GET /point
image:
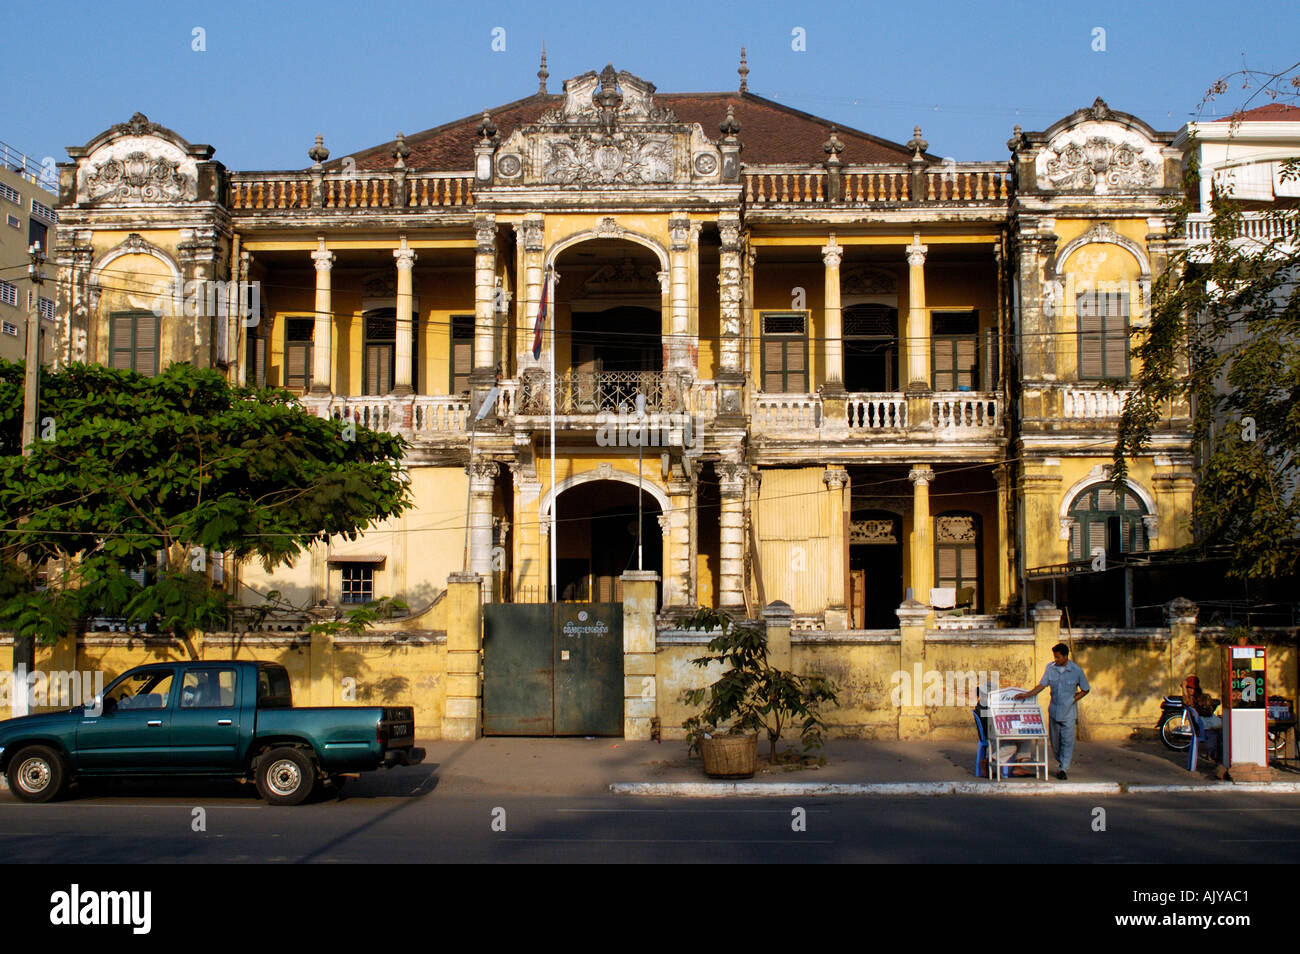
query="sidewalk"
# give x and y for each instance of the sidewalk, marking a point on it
(882, 767)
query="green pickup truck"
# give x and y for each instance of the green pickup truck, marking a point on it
(232, 719)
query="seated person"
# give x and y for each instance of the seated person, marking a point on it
(1203, 703)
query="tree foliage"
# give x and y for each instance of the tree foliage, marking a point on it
(161, 474)
(1225, 334)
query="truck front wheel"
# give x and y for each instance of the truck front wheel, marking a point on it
(36, 774)
(285, 776)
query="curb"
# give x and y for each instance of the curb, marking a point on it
(902, 789)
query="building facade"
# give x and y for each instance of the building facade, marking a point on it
(793, 362)
(27, 201)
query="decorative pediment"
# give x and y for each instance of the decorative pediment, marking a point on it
(614, 95)
(609, 132)
(138, 163)
(1101, 151)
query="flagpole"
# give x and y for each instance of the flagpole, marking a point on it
(555, 497)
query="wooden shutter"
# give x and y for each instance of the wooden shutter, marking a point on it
(146, 344)
(773, 366)
(965, 359)
(1115, 356)
(297, 365)
(969, 567)
(121, 341)
(796, 369)
(944, 369)
(379, 368)
(259, 361)
(948, 566)
(1091, 334)
(1096, 536)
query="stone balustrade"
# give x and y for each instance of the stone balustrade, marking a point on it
(970, 182)
(1082, 403)
(876, 412)
(273, 191)
(963, 410)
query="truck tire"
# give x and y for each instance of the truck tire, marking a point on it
(285, 776)
(36, 774)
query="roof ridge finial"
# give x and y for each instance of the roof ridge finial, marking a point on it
(743, 71)
(543, 74)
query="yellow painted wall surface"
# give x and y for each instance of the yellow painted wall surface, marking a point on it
(423, 546)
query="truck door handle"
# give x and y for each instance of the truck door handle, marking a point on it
(154, 722)
(223, 722)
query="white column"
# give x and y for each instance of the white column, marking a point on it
(482, 483)
(485, 260)
(531, 239)
(679, 228)
(405, 317)
(918, 325)
(321, 364)
(832, 255)
(836, 479)
(922, 538)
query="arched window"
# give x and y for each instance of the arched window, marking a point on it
(1102, 518)
(957, 555)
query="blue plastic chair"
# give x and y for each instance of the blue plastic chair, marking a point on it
(982, 750)
(1199, 738)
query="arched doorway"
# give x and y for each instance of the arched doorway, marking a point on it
(597, 541)
(609, 324)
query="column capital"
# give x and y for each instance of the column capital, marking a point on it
(832, 254)
(665, 283)
(916, 251)
(679, 230)
(835, 478)
(405, 256)
(729, 230)
(485, 234)
(921, 476)
(531, 233)
(323, 257)
(731, 478)
(482, 475)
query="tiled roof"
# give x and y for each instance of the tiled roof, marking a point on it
(1268, 113)
(770, 132)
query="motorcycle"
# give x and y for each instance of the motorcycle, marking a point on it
(1176, 730)
(1175, 725)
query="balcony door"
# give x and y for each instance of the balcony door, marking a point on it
(378, 362)
(870, 333)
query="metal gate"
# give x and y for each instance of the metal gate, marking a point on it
(553, 669)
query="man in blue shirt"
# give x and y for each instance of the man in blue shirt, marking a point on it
(1068, 685)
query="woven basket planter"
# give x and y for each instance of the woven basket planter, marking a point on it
(730, 756)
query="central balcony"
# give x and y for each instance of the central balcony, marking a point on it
(933, 417)
(592, 392)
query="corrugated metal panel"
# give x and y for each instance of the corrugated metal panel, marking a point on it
(793, 505)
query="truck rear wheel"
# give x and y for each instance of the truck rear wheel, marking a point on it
(36, 774)
(285, 776)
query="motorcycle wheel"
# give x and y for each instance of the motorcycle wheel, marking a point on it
(1176, 732)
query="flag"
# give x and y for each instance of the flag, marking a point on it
(541, 322)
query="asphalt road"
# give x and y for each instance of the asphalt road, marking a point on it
(400, 816)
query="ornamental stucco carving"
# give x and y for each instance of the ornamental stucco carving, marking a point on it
(139, 169)
(609, 132)
(1099, 157)
(622, 158)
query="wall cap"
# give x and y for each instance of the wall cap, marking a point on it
(1045, 611)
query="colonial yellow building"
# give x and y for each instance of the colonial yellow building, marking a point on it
(794, 362)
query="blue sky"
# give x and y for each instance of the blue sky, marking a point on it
(274, 74)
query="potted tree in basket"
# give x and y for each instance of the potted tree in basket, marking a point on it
(749, 695)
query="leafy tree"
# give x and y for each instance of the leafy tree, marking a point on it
(751, 694)
(130, 473)
(1225, 333)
